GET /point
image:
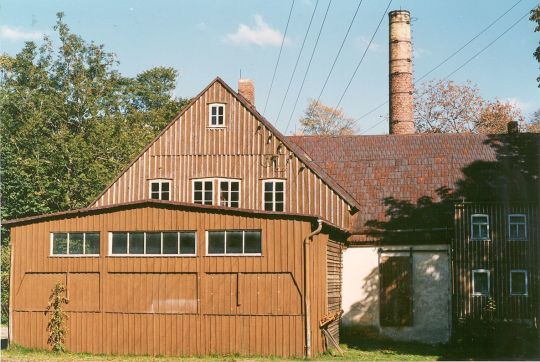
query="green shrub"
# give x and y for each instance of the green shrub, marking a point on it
(56, 326)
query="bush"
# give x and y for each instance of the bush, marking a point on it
(5, 261)
(56, 326)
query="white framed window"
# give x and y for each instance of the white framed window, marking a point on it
(274, 195)
(229, 193)
(158, 243)
(519, 283)
(203, 191)
(479, 227)
(480, 282)
(234, 242)
(160, 189)
(216, 116)
(517, 227)
(75, 244)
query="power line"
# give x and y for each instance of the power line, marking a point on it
(279, 56)
(446, 60)
(309, 65)
(297, 60)
(339, 51)
(469, 42)
(363, 55)
(487, 46)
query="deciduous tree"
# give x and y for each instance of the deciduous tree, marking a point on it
(495, 116)
(320, 119)
(535, 16)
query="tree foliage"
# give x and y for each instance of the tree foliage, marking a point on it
(495, 116)
(535, 16)
(71, 121)
(320, 119)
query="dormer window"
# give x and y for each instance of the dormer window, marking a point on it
(160, 189)
(217, 115)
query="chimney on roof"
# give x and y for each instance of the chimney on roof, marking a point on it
(247, 90)
(512, 127)
(401, 77)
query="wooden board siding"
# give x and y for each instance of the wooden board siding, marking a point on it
(171, 305)
(334, 262)
(189, 149)
(499, 255)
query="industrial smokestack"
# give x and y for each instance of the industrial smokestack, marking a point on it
(401, 78)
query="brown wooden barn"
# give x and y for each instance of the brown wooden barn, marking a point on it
(207, 243)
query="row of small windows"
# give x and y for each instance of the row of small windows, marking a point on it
(517, 227)
(481, 282)
(228, 192)
(166, 243)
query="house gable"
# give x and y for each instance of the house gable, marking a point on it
(246, 148)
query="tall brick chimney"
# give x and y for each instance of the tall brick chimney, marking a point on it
(401, 78)
(247, 90)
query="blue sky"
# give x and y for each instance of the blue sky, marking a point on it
(208, 38)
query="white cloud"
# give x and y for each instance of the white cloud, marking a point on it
(16, 33)
(524, 106)
(260, 34)
(201, 26)
(363, 42)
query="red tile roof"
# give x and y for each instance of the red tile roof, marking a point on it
(406, 167)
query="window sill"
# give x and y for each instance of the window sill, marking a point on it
(75, 256)
(517, 239)
(216, 127)
(234, 255)
(480, 295)
(479, 239)
(152, 255)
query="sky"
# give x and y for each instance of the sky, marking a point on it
(208, 38)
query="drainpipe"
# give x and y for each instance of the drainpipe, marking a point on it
(307, 307)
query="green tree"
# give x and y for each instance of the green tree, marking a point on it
(71, 121)
(535, 16)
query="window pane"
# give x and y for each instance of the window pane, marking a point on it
(483, 231)
(268, 197)
(76, 243)
(518, 283)
(136, 243)
(279, 206)
(155, 195)
(224, 185)
(208, 198)
(479, 219)
(220, 109)
(235, 186)
(279, 196)
(517, 218)
(59, 244)
(187, 243)
(481, 283)
(155, 187)
(119, 243)
(268, 206)
(92, 243)
(216, 242)
(252, 242)
(234, 242)
(197, 185)
(165, 186)
(279, 186)
(214, 111)
(268, 186)
(208, 185)
(153, 243)
(198, 197)
(165, 196)
(170, 243)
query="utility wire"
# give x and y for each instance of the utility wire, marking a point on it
(309, 65)
(363, 56)
(443, 62)
(297, 60)
(487, 46)
(339, 51)
(279, 56)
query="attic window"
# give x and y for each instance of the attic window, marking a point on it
(479, 227)
(274, 192)
(216, 117)
(160, 189)
(517, 227)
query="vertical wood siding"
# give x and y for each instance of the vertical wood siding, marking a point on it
(499, 255)
(334, 262)
(171, 305)
(190, 149)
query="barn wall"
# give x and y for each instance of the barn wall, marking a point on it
(171, 305)
(189, 149)
(431, 292)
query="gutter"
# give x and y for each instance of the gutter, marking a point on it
(307, 305)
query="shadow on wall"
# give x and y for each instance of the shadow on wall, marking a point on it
(366, 311)
(512, 177)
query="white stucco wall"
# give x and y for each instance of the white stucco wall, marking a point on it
(431, 292)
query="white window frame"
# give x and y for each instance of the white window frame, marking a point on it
(486, 223)
(217, 106)
(274, 181)
(160, 182)
(225, 243)
(203, 180)
(517, 223)
(73, 255)
(485, 271)
(229, 180)
(145, 255)
(524, 271)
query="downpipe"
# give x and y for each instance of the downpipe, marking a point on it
(307, 304)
